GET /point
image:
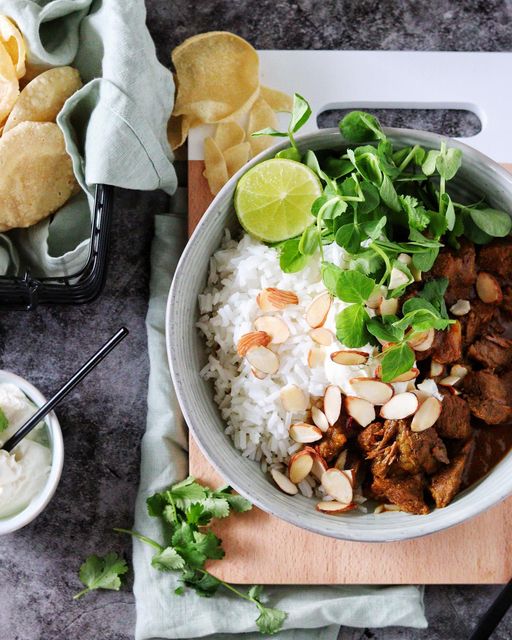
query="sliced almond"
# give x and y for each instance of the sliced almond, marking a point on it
(319, 418)
(361, 410)
(299, 466)
(319, 464)
(427, 414)
(436, 369)
(333, 507)
(258, 374)
(388, 307)
(272, 299)
(459, 371)
(349, 357)
(488, 288)
(276, 328)
(317, 311)
(385, 508)
(427, 342)
(400, 406)
(405, 258)
(375, 299)
(332, 403)
(372, 390)
(341, 460)
(412, 374)
(397, 278)
(449, 381)
(250, 340)
(316, 357)
(283, 482)
(416, 339)
(293, 399)
(337, 484)
(304, 433)
(461, 308)
(322, 336)
(263, 359)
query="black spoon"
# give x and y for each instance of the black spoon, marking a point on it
(494, 614)
(64, 390)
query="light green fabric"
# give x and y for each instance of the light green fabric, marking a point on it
(114, 127)
(314, 612)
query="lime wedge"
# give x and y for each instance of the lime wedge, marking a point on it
(273, 199)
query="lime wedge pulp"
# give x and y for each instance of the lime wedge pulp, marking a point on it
(273, 199)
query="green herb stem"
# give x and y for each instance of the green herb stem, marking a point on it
(81, 593)
(408, 158)
(387, 262)
(139, 536)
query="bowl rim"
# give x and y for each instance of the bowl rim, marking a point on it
(409, 529)
(39, 503)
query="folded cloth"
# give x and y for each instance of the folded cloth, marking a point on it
(313, 612)
(114, 127)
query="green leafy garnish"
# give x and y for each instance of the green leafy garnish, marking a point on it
(101, 573)
(351, 326)
(4, 422)
(186, 510)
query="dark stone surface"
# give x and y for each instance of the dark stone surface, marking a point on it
(104, 419)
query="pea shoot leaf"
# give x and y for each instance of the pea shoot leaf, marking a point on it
(301, 112)
(359, 126)
(351, 326)
(497, 224)
(353, 286)
(396, 360)
(330, 276)
(291, 259)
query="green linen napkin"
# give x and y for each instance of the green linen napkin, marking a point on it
(114, 127)
(313, 612)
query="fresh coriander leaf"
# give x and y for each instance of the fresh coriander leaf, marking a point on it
(385, 332)
(301, 112)
(218, 507)
(396, 360)
(185, 493)
(446, 209)
(102, 573)
(290, 153)
(269, 131)
(351, 326)
(353, 286)
(179, 591)
(497, 224)
(4, 422)
(238, 503)
(270, 621)
(291, 259)
(203, 583)
(417, 216)
(208, 544)
(255, 592)
(429, 164)
(309, 241)
(348, 236)
(330, 275)
(156, 504)
(389, 195)
(359, 126)
(448, 162)
(167, 560)
(198, 515)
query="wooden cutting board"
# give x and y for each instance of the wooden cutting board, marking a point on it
(261, 548)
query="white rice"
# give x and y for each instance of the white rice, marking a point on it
(256, 421)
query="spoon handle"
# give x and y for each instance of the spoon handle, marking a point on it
(75, 379)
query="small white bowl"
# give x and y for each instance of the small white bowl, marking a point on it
(8, 525)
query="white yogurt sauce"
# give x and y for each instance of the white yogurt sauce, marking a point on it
(24, 471)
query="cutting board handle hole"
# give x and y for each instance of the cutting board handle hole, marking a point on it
(456, 123)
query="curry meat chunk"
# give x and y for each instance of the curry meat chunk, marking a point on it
(406, 493)
(446, 483)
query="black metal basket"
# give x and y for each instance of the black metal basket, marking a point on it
(27, 292)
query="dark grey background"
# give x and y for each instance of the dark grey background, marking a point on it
(104, 420)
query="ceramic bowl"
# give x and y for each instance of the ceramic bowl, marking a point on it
(187, 355)
(38, 504)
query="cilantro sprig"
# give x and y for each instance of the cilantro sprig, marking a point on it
(101, 573)
(186, 511)
(4, 422)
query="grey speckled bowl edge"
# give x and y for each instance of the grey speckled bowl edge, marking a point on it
(187, 354)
